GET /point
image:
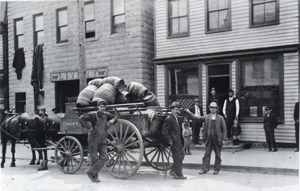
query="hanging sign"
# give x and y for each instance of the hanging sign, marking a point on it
(75, 75)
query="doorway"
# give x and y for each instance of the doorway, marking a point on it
(63, 91)
(219, 78)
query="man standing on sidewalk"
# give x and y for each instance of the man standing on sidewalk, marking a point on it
(214, 136)
(172, 133)
(196, 125)
(296, 118)
(231, 110)
(270, 123)
(97, 123)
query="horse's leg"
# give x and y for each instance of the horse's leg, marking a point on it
(13, 151)
(32, 162)
(40, 157)
(4, 143)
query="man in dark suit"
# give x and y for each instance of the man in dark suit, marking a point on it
(296, 118)
(214, 136)
(196, 109)
(172, 133)
(270, 123)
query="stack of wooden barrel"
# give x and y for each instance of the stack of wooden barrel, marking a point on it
(113, 90)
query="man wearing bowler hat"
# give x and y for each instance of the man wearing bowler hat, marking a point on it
(270, 123)
(214, 136)
(196, 109)
(172, 133)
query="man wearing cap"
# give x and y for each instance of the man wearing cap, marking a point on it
(231, 109)
(196, 125)
(270, 123)
(172, 133)
(213, 97)
(214, 136)
(97, 122)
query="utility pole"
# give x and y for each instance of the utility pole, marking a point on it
(81, 44)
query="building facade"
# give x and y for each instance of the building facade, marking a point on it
(249, 46)
(81, 40)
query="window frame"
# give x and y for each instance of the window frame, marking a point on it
(264, 24)
(281, 85)
(207, 30)
(122, 26)
(185, 34)
(92, 20)
(16, 37)
(35, 33)
(58, 35)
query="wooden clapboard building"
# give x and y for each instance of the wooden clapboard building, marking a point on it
(81, 40)
(250, 46)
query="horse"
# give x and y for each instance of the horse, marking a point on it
(23, 126)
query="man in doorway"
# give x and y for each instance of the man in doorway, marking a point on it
(231, 110)
(296, 118)
(213, 97)
(196, 109)
(214, 135)
(97, 123)
(172, 133)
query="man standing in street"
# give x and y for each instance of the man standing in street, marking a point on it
(270, 124)
(196, 125)
(172, 133)
(231, 110)
(214, 136)
(97, 123)
(296, 118)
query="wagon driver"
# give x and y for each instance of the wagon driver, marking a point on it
(97, 122)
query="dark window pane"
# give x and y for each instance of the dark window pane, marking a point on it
(213, 5)
(39, 23)
(258, 69)
(173, 9)
(183, 25)
(270, 11)
(218, 70)
(258, 13)
(213, 20)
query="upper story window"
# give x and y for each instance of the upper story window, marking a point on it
(62, 25)
(38, 28)
(178, 18)
(118, 16)
(19, 33)
(264, 12)
(218, 15)
(89, 19)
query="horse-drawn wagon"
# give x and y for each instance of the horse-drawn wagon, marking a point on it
(135, 136)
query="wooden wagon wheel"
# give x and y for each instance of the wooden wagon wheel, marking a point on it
(68, 154)
(158, 155)
(125, 149)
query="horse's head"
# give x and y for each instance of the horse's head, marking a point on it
(52, 124)
(30, 122)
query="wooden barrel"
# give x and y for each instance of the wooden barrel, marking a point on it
(98, 82)
(150, 100)
(121, 98)
(106, 92)
(118, 83)
(85, 97)
(137, 90)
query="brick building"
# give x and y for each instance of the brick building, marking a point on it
(249, 46)
(81, 40)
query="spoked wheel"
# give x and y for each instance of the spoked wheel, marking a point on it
(125, 149)
(159, 156)
(68, 155)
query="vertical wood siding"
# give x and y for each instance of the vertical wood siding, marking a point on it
(241, 37)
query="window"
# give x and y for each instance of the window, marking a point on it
(19, 33)
(20, 102)
(89, 19)
(38, 29)
(178, 18)
(218, 15)
(118, 16)
(264, 12)
(261, 86)
(62, 25)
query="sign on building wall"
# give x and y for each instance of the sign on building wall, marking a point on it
(75, 75)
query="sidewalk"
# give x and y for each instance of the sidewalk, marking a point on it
(257, 160)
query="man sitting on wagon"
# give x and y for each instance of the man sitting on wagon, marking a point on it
(97, 122)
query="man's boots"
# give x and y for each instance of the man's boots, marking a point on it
(92, 172)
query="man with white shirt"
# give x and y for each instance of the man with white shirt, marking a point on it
(231, 109)
(196, 125)
(214, 136)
